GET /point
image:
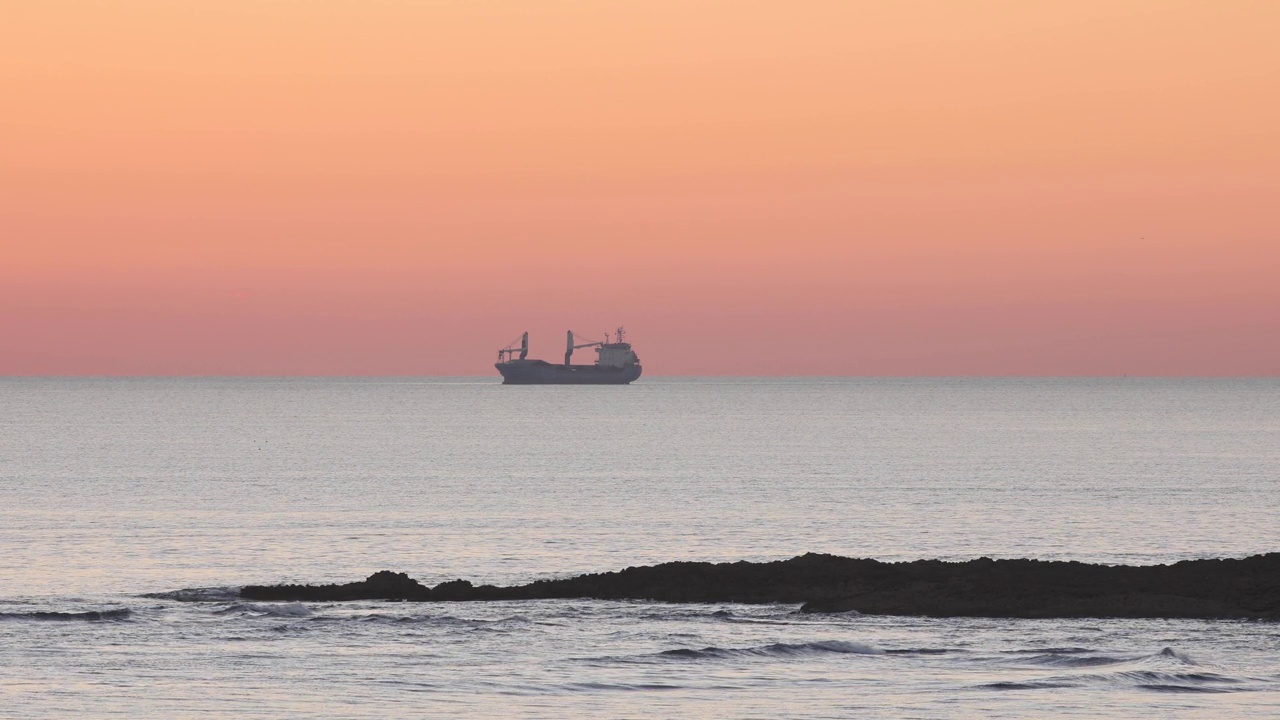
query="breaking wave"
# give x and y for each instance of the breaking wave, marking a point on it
(292, 609)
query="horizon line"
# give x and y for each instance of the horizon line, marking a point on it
(497, 379)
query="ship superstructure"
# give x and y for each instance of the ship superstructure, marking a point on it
(616, 363)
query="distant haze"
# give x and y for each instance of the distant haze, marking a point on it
(834, 187)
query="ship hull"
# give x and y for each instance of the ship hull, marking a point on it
(541, 372)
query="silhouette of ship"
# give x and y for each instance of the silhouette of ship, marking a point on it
(616, 364)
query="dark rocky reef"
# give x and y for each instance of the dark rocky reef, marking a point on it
(1246, 589)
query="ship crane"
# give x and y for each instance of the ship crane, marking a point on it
(570, 347)
(504, 355)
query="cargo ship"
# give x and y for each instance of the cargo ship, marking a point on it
(616, 364)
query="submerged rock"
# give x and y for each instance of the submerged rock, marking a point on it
(1247, 588)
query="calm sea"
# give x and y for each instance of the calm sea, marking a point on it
(112, 489)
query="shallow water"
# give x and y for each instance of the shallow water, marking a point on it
(112, 489)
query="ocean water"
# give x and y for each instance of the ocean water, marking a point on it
(115, 493)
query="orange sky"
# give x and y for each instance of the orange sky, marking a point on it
(367, 187)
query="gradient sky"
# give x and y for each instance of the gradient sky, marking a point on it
(369, 187)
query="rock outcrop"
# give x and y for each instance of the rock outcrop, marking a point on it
(1247, 588)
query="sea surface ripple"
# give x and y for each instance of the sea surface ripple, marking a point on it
(132, 510)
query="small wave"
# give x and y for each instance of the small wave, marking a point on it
(512, 620)
(88, 615)
(444, 620)
(1080, 661)
(292, 609)
(1171, 682)
(839, 647)
(1051, 651)
(1165, 671)
(1172, 654)
(754, 621)
(845, 613)
(1032, 685)
(694, 654)
(1182, 688)
(209, 594)
(1149, 677)
(924, 651)
(1081, 658)
(598, 686)
(1140, 679)
(381, 618)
